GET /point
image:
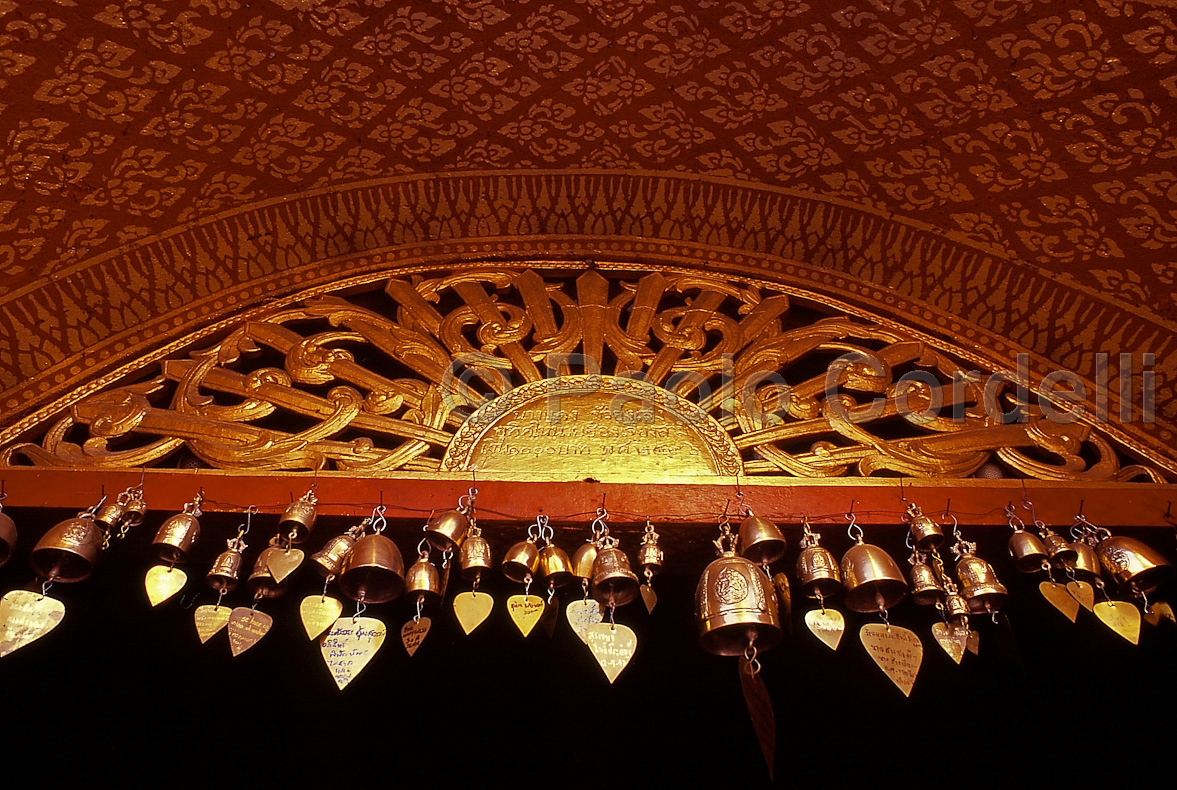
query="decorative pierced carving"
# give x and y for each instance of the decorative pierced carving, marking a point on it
(414, 377)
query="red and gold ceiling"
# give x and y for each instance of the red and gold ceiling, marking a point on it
(997, 174)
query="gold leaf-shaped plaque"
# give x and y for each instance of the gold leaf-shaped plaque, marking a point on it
(612, 645)
(162, 582)
(525, 611)
(472, 608)
(1060, 599)
(26, 617)
(283, 563)
(649, 598)
(827, 625)
(953, 638)
(319, 612)
(246, 628)
(897, 651)
(210, 619)
(1121, 617)
(974, 643)
(413, 633)
(1082, 592)
(582, 614)
(349, 646)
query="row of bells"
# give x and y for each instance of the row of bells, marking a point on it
(1135, 567)
(69, 550)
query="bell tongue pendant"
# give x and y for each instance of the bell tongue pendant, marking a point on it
(897, 651)
(247, 626)
(26, 616)
(612, 645)
(350, 644)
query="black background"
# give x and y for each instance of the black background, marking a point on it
(124, 691)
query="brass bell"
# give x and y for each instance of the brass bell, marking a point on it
(1086, 567)
(926, 534)
(7, 537)
(475, 556)
(1027, 550)
(176, 536)
(329, 559)
(110, 515)
(761, 541)
(926, 587)
(583, 560)
(134, 510)
(222, 577)
(979, 584)
(69, 550)
(1134, 565)
(521, 561)
(374, 572)
(872, 579)
(448, 529)
(735, 605)
(650, 554)
(422, 582)
(299, 518)
(554, 566)
(614, 583)
(1061, 554)
(261, 581)
(817, 569)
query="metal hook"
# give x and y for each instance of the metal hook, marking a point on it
(902, 495)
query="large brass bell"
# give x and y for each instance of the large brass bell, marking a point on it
(475, 557)
(978, 582)
(69, 550)
(614, 582)
(423, 582)
(261, 581)
(735, 604)
(1026, 549)
(926, 587)
(817, 568)
(926, 534)
(761, 541)
(176, 536)
(374, 571)
(222, 577)
(299, 518)
(872, 579)
(7, 536)
(329, 559)
(1135, 566)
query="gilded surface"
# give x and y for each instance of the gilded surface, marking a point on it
(686, 374)
(1001, 167)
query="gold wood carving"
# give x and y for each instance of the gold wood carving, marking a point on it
(504, 370)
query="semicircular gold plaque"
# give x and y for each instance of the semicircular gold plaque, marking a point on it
(592, 424)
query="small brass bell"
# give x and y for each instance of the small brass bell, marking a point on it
(735, 604)
(521, 562)
(299, 518)
(176, 536)
(1027, 550)
(583, 560)
(978, 583)
(329, 559)
(448, 529)
(614, 582)
(134, 509)
(926, 534)
(926, 587)
(955, 607)
(222, 577)
(872, 579)
(7, 537)
(261, 581)
(475, 556)
(1134, 565)
(555, 569)
(761, 541)
(1061, 554)
(817, 568)
(650, 554)
(374, 572)
(1086, 567)
(422, 582)
(69, 550)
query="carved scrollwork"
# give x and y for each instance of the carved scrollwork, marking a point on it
(412, 377)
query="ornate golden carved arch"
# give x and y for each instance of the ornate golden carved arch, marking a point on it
(676, 371)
